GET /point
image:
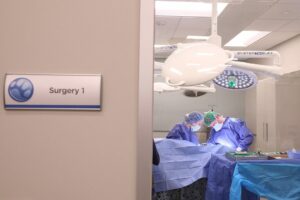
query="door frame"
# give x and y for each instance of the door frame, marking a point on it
(145, 101)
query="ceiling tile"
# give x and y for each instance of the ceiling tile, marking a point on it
(289, 1)
(267, 25)
(165, 28)
(283, 11)
(238, 17)
(272, 40)
(282, 17)
(292, 26)
(193, 26)
(260, 1)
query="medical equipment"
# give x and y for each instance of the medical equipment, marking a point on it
(194, 66)
(236, 79)
(235, 156)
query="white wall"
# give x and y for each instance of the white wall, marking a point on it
(71, 155)
(289, 52)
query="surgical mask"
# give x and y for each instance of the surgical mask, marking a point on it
(218, 126)
(195, 128)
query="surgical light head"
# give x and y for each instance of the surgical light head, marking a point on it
(193, 117)
(195, 63)
(236, 79)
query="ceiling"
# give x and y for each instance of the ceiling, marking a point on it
(282, 17)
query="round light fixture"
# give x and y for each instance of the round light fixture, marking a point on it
(236, 79)
(195, 63)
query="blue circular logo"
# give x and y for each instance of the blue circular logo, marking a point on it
(20, 89)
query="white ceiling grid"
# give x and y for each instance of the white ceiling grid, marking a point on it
(282, 17)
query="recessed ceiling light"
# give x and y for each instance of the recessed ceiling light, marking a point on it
(245, 38)
(186, 9)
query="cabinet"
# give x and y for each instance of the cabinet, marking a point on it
(266, 115)
(288, 113)
(277, 113)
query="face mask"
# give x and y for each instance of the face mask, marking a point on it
(218, 126)
(195, 128)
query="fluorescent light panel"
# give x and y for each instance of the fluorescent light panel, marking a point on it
(186, 9)
(197, 37)
(245, 38)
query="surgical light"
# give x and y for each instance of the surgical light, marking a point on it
(236, 79)
(195, 64)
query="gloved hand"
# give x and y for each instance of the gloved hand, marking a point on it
(239, 149)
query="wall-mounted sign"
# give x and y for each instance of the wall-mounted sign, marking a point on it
(58, 92)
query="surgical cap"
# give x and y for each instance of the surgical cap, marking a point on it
(209, 117)
(193, 117)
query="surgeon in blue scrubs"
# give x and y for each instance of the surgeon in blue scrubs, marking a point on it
(187, 129)
(227, 131)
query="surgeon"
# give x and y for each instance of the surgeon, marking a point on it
(187, 129)
(230, 132)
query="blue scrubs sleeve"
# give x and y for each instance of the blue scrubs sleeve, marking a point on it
(245, 135)
(211, 138)
(181, 132)
(175, 133)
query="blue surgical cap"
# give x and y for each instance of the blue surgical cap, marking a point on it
(193, 117)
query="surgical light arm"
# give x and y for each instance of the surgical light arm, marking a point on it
(163, 87)
(272, 70)
(258, 54)
(200, 88)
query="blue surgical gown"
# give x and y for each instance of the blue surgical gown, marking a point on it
(182, 132)
(233, 134)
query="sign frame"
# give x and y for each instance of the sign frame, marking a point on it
(90, 101)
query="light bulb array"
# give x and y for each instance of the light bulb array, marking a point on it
(236, 79)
